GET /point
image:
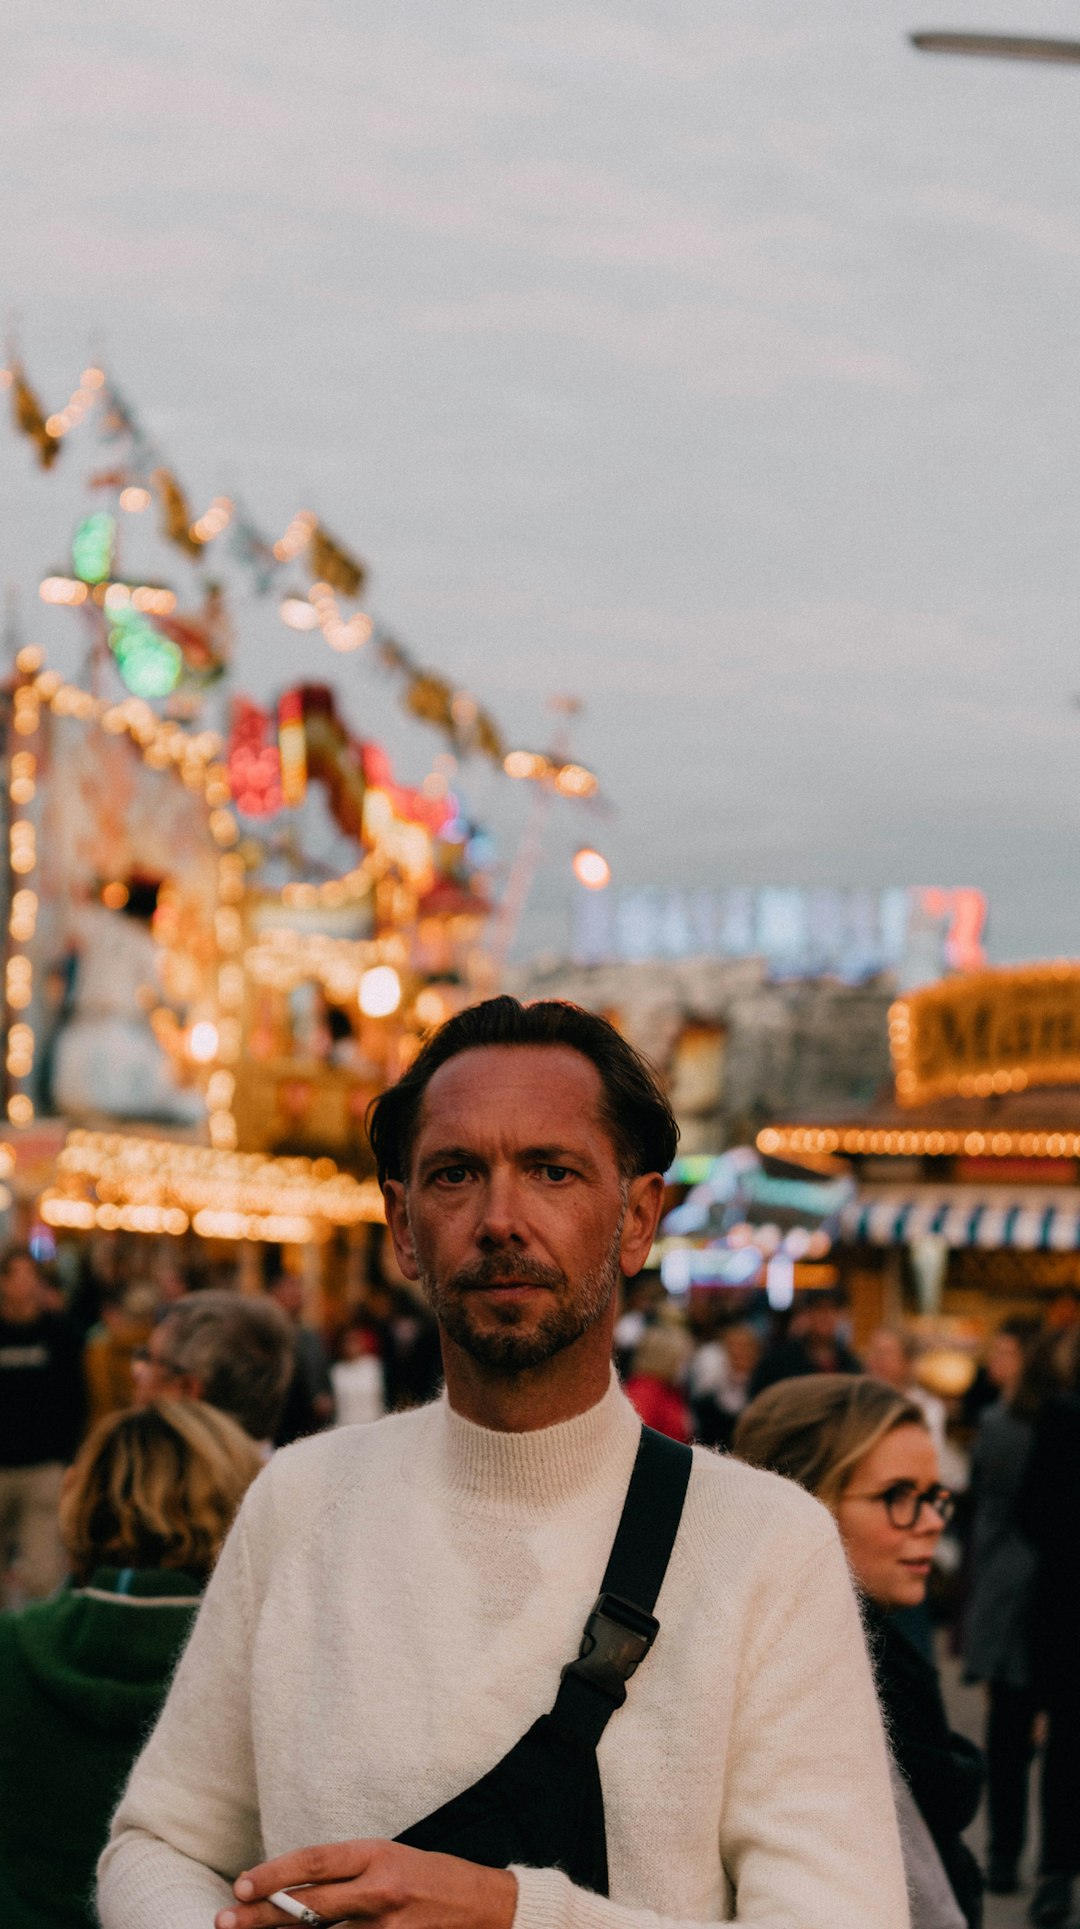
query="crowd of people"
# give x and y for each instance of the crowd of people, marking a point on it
(1007, 1584)
(69, 1359)
(135, 1413)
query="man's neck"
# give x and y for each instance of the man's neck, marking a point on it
(523, 1402)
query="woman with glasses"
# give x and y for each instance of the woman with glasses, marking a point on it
(865, 1451)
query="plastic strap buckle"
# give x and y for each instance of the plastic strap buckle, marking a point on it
(616, 1640)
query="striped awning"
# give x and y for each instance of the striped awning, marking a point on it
(1029, 1219)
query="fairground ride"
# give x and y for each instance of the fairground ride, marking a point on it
(228, 923)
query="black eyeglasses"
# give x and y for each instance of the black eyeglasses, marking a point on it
(903, 1502)
(142, 1356)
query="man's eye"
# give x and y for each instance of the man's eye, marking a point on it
(556, 1173)
(452, 1175)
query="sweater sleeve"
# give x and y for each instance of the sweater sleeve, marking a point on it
(808, 1836)
(187, 1822)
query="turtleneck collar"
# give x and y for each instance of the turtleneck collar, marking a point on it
(542, 1471)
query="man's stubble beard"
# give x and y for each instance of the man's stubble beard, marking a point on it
(506, 1347)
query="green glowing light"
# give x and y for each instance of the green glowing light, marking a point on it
(92, 548)
(150, 664)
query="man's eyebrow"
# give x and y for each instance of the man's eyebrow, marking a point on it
(554, 1154)
(447, 1155)
(549, 1154)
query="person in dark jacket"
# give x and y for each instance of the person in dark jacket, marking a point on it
(943, 1770)
(42, 1415)
(1048, 1512)
(309, 1396)
(813, 1344)
(145, 1510)
(997, 1623)
(409, 1347)
(866, 1452)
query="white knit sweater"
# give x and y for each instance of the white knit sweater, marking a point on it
(392, 1611)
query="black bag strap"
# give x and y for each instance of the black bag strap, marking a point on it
(622, 1626)
(650, 1520)
(543, 1803)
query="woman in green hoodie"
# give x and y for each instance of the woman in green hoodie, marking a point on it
(145, 1510)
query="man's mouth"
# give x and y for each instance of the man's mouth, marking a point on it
(518, 1278)
(508, 1286)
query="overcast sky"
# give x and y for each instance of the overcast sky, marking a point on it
(714, 362)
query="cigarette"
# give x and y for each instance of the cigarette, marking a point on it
(282, 1900)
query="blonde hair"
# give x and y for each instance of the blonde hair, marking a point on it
(663, 1353)
(156, 1486)
(816, 1429)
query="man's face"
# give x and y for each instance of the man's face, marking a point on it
(1005, 1361)
(21, 1294)
(822, 1320)
(885, 1359)
(742, 1348)
(289, 1294)
(154, 1374)
(516, 1219)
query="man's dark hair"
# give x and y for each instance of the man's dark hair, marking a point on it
(239, 1349)
(637, 1115)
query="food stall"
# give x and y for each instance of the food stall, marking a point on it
(968, 1167)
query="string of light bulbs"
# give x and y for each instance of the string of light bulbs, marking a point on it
(336, 571)
(23, 912)
(133, 1184)
(163, 744)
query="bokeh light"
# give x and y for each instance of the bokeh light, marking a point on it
(203, 1042)
(591, 869)
(380, 991)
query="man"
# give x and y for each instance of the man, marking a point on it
(639, 1310)
(1047, 1514)
(890, 1355)
(42, 1412)
(719, 1382)
(998, 1376)
(110, 1347)
(309, 1396)
(230, 1350)
(813, 1345)
(409, 1343)
(396, 1604)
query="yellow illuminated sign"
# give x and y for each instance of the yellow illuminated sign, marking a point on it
(986, 1032)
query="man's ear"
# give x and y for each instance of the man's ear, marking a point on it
(397, 1219)
(644, 1201)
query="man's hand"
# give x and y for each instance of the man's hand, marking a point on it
(382, 1883)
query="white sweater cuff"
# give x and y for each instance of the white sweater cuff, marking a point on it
(546, 1900)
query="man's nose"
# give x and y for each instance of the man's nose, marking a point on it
(502, 1221)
